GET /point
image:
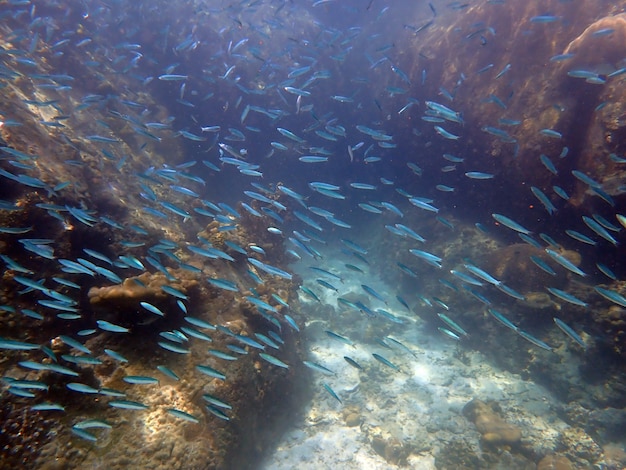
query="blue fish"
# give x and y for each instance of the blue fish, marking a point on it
(570, 332)
(373, 293)
(507, 222)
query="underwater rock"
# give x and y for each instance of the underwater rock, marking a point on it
(459, 454)
(586, 45)
(488, 422)
(392, 450)
(579, 445)
(614, 455)
(554, 462)
(608, 423)
(603, 132)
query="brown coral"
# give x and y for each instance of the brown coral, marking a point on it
(493, 428)
(554, 462)
(146, 287)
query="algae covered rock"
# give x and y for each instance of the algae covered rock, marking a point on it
(554, 462)
(488, 422)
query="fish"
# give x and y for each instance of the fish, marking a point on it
(423, 205)
(128, 405)
(83, 434)
(313, 159)
(394, 342)
(352, 362)
(542, 265)
(466, 278)
(81, 388)
(502, 319)
(173, 347)
(354, 246)
(537, 342)
(386, 362)
(327, 273)
(197, 322)
(270, 269)
(605, 223)
(195, 334)
(267, 341)
(309, 293)
(611, 295)
(326, 284)
(501, 134)
(539, 194)
(551, 133)
(47, 406)
(221, 355)
(74, 344)
(548, 164)
(182, 415)
(216, 401)
(217, 412)
(570, 332)
(428, 257)
(479, 175)
(445, 134)
(292, 323)
(406, 270)
(274, 361)
(152, 309)
(331, 392)
(261, 304)
(452, 324)
(168, 372)
(449, 333)
(111, 327)
(290, 135)
(580, 237)
(598, 229)
(115, 355)
(606, 271)
(172, 77)
(307, 220)
(211, 372)
(337, 336)
(373, 293)
(566, 296)
(445, 222)
(586, 179)
(318, 368)
(140, 380)
(174, 292)
(507, 222)
(567, 264)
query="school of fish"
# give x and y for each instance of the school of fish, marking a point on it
(296, 137)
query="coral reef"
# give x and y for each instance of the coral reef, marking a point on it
(554, 462)
(494, 430)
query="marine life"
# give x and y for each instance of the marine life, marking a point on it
(273, 360)
(569, 332)
(332, 392)
(200, 201)
(385, 361)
